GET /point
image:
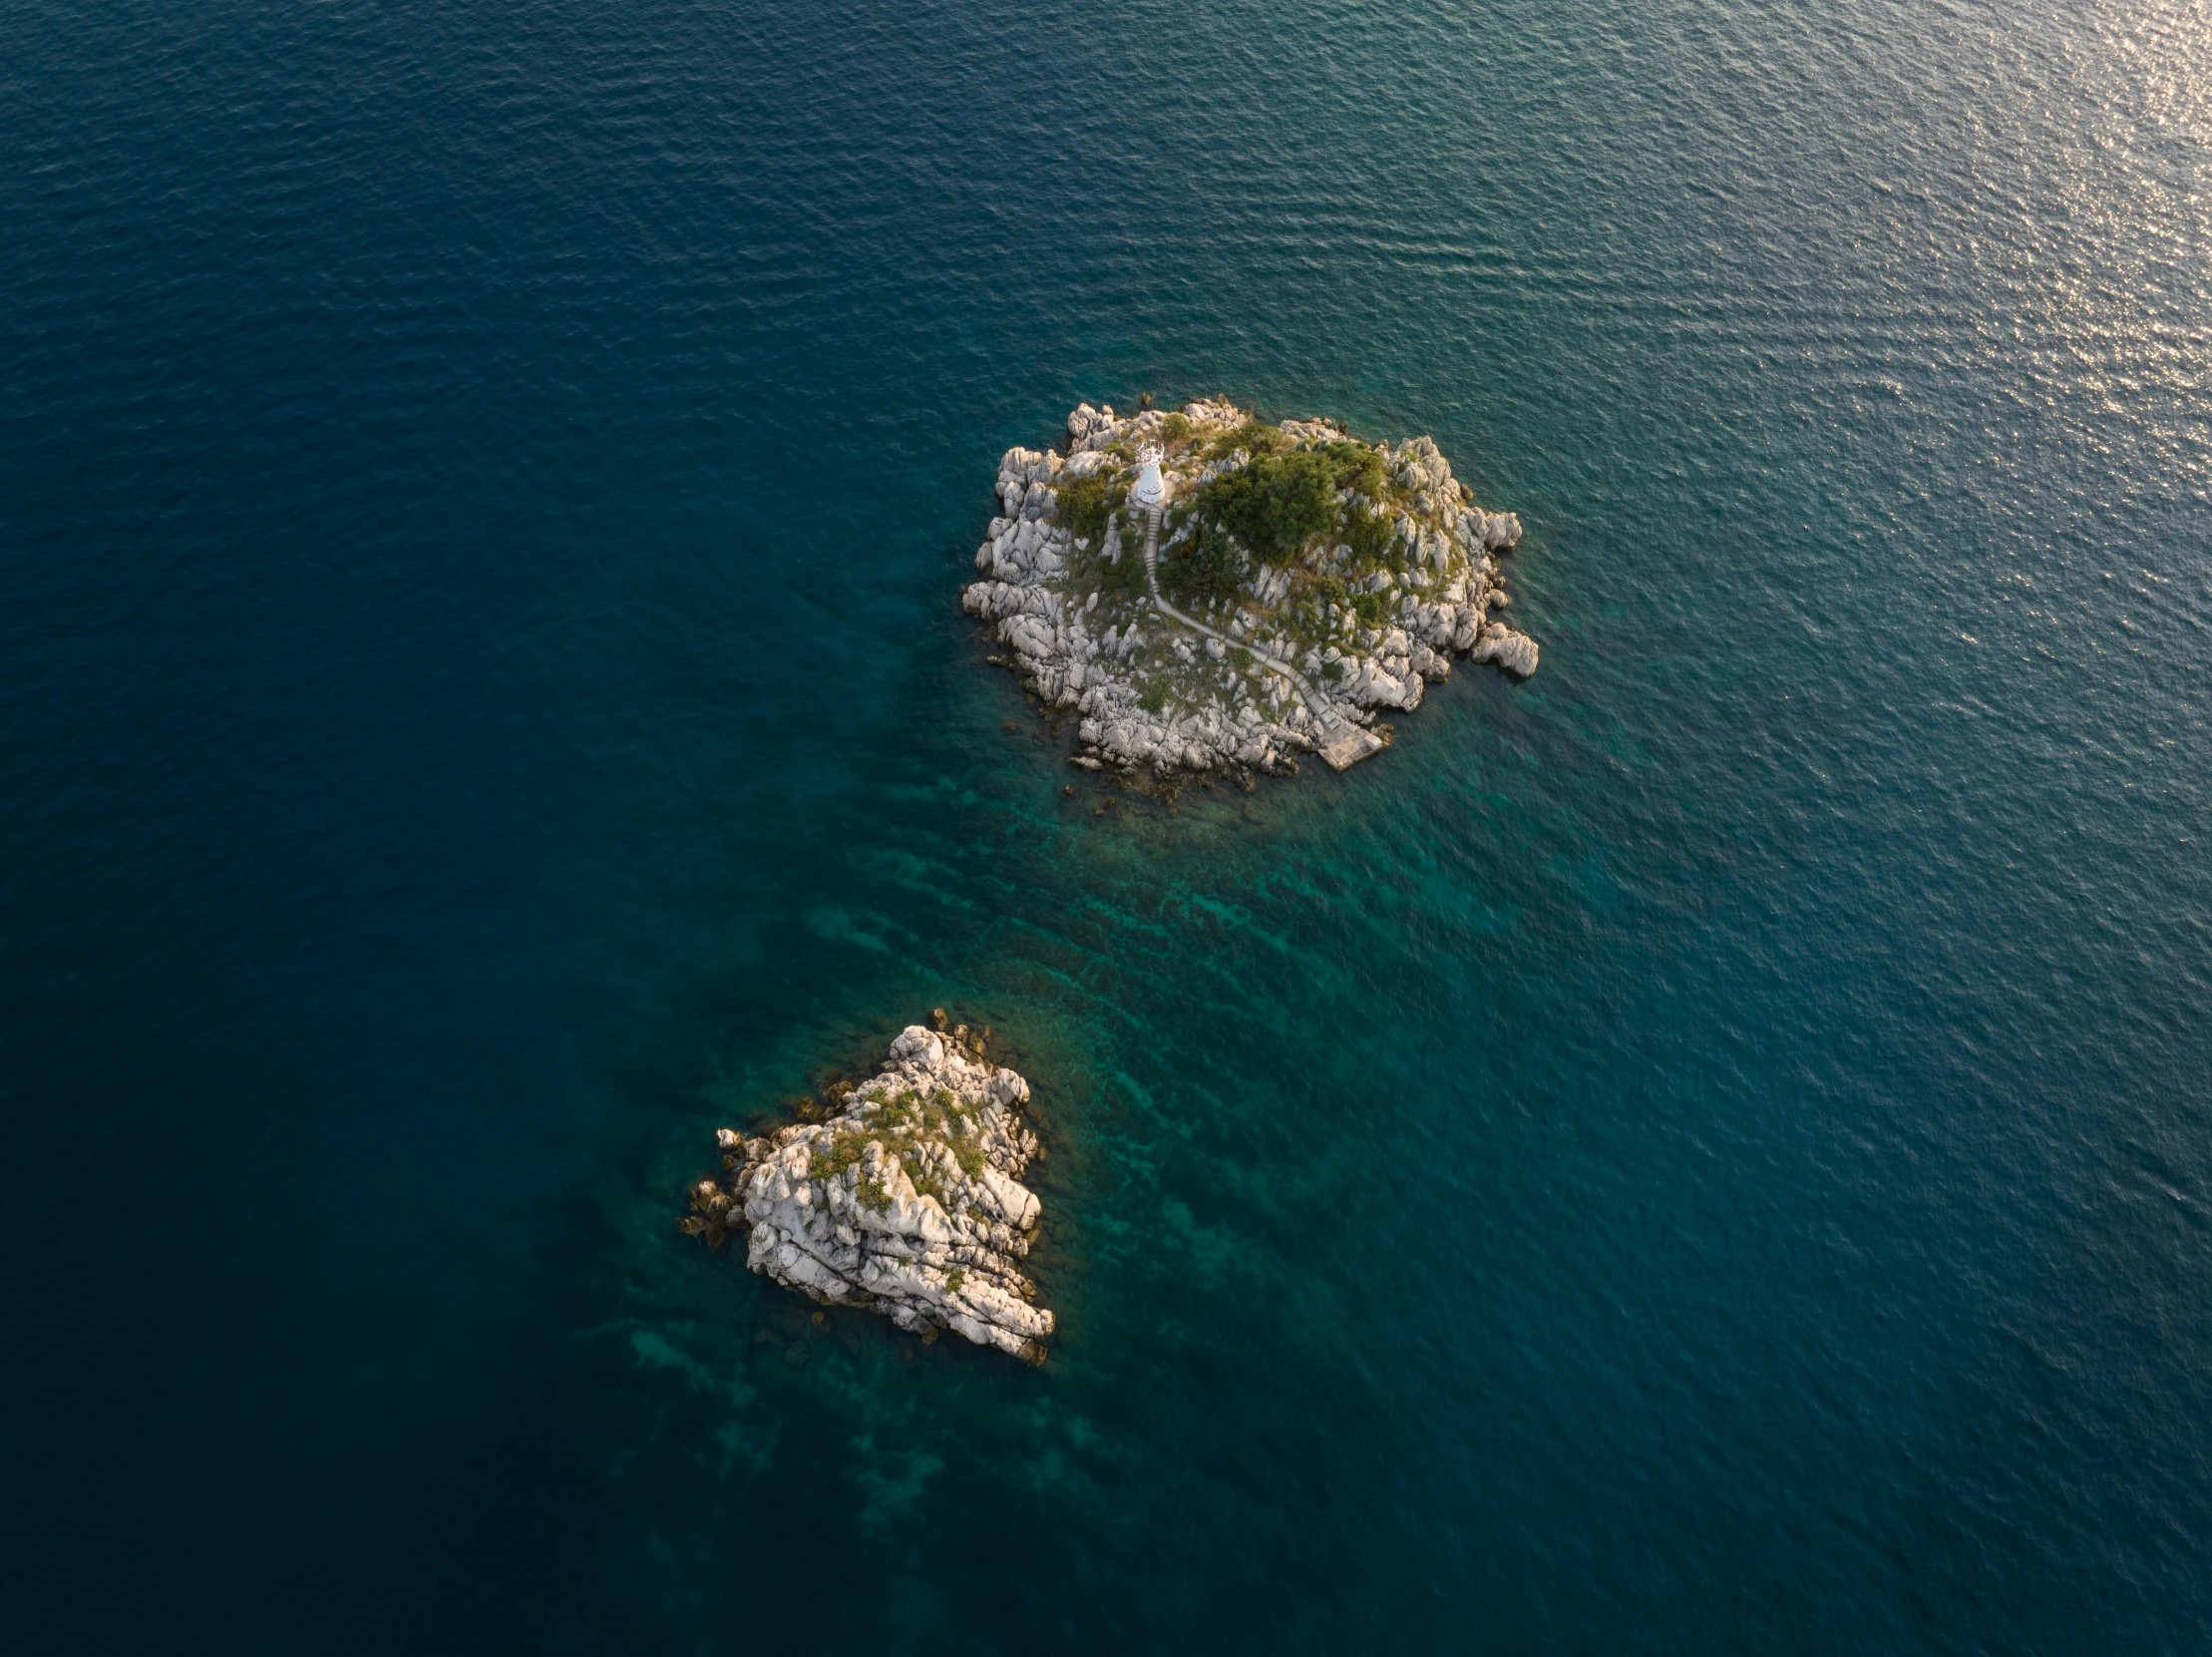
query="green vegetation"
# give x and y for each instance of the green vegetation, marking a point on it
(967, 1151)
(1281, 498)
(1206, 567)
(1086, 504)
(902, 1128)
(1373, 538)
(1122, 578)
(1154, 696)
(1252, 437)
(1241, 657)
(1275, 505)
(1357, 468)
(953, 1279)
(831, 1156)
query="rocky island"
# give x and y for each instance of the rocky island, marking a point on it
(907, 1200)
(1208, 592)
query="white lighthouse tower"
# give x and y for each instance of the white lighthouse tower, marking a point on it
(1151, 489)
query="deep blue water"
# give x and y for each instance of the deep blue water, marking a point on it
(1711, 1150)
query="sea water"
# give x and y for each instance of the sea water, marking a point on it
(1704, 1151)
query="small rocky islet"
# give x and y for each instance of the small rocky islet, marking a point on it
(904, 1199)
(1207, 593)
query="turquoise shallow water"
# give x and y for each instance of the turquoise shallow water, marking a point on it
(1705, 1150)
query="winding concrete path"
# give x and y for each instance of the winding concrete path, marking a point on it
(1343, 745)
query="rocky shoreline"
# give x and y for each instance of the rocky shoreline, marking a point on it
(906, 1200)
(1207, 593)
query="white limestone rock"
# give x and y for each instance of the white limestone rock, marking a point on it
(907, 1201)
(1513, 651)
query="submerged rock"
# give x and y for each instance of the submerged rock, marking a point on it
(907, 1201)
(1289, 583)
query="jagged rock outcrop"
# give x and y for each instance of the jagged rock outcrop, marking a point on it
(1303, 581)
(907, 1201)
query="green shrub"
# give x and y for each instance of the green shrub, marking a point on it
(1154, 696)
(1357, 467)
(1123, 577)
(1275, 504)
(1252, 437)
(1085, 505)
(827, 1159)
(1303, 626)
(1371, 607)
(1240, 656)
(1209, 566)
(1373, 538)
(953, 1279)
